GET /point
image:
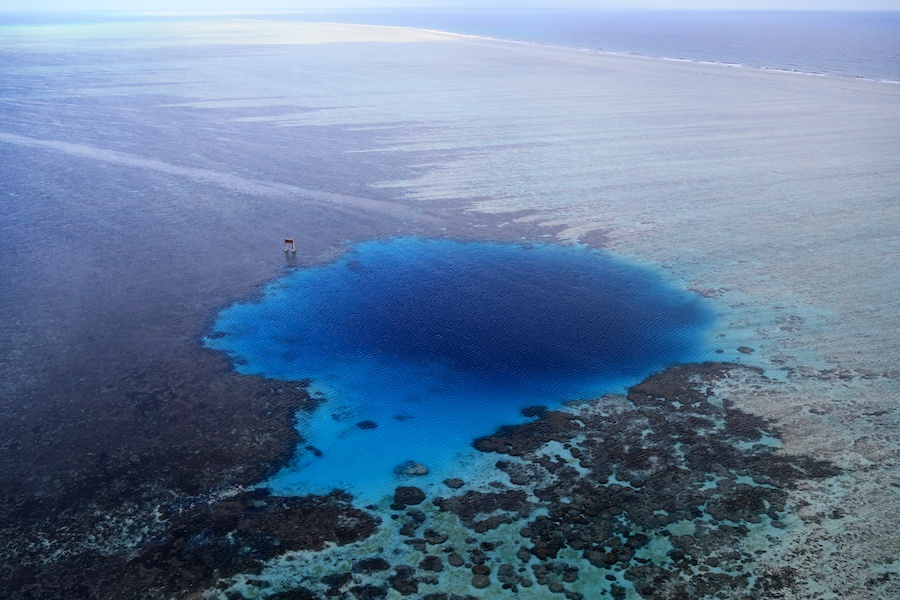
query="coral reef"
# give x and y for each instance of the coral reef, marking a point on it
(665, 492)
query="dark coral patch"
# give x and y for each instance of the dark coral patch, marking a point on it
(407, 495)
(482, 511)
(208, 539)
(518, 440)
(667, 454)
(534, 411)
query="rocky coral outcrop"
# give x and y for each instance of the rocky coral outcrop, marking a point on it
(632, 470)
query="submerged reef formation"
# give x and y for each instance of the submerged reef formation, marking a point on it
(196, 542)
(206, 540)
(657, 489)
(666, 492)
(101, 484)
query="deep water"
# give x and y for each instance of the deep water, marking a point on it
(419, 346)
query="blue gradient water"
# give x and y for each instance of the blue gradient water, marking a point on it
(419, 346)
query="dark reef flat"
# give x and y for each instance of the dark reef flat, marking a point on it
(608, 479)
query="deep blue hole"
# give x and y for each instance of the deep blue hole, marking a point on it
(412, 326)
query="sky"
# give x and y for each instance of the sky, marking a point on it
(298, 5)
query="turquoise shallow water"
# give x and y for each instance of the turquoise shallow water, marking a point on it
(419, 346)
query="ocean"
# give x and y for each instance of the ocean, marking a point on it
(594, 304)
(841, 44)
(827, 43)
